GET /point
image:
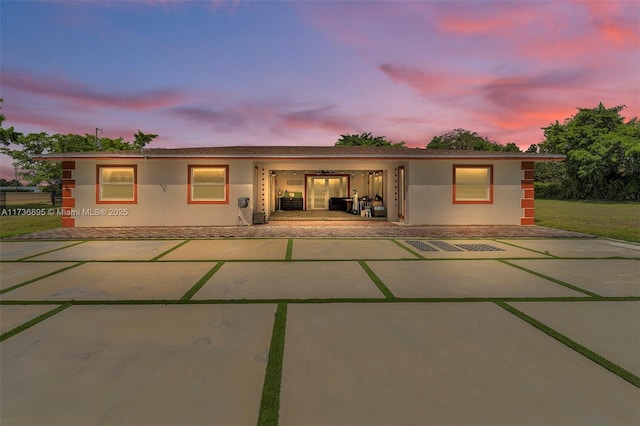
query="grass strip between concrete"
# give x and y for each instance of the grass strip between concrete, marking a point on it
(36, 320)
(170, 250)
(50, 251)
(41, 277)
(545, 253)
(546, 277)
(413, 252)
(289, 253)
(202, 281)
(270, 402)
(377, 281)
(583, 350)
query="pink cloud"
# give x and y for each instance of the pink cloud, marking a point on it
(432, 83)
(316, 119)
(617, 22)
(62, 89)
(278, 116)
(482, 18)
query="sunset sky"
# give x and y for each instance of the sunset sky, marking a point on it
(216, 73)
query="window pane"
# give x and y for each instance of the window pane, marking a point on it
(208, 175)
(117, 175)
(117, 193)
(117, 183)
(472, 176)
(472, 192)
(208, 184)
(208, 192)
(472, 183)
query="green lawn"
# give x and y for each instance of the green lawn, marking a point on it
(613, 220)
(14, 220)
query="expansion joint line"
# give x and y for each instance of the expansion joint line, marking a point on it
(582, 350)
(193, 290)
(289, 253)
(270, 403)
(562, 283)
(36, 320)
(377, 281)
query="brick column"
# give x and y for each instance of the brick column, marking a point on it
(526, 184)
(68, 200)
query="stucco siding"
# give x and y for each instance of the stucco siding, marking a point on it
(161, 195)
(162, 190)
(430, 196)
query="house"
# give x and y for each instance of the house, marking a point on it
(211, 186)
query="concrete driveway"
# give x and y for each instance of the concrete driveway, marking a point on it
(304, 331)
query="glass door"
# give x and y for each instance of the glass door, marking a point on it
(321, 188)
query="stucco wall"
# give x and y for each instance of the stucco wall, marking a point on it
(429, 197)
(162, 192)
(162, 195)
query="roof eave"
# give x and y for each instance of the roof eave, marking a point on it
(318, 156)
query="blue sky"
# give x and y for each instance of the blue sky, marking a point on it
(212, 73)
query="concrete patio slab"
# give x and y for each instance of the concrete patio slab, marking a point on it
(258, 249)
(115, 281)
(12, 316)
(610, 277)
(289, 280)
(15, 250)
(138, 365)
(14, 273)
(583, 247)
(112, 250)
(502, 250)
(441, 363)
(332, 249)
(611, 329)
(464, 278)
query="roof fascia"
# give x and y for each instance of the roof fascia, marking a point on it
(107, 156)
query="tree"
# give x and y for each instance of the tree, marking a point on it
(603, 154)
(533, 149)
(22, 148)
(366, 139)
(466, 140)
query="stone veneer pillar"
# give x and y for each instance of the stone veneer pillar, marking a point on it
(68, 200)
(526, 203)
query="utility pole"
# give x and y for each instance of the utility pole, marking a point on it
(97, 141)
(15, 169)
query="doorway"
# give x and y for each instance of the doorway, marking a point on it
(401, 193)
(320, 188)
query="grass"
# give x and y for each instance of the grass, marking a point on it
(14, 221)
(270, 403)
(613, 220)
(10, 333)
(603, 362)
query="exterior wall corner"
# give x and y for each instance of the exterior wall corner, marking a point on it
(528, 195)
(68, 199)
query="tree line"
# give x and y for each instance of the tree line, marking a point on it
(602, 153)
(23, 148)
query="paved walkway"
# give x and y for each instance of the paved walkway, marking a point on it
(298, 229)
(320, 331)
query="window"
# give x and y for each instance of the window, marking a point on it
(208, 185)
(472, 184)
(116, 184)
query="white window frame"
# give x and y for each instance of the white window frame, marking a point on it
(101, 184)
(487, 185)
(191, 199)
